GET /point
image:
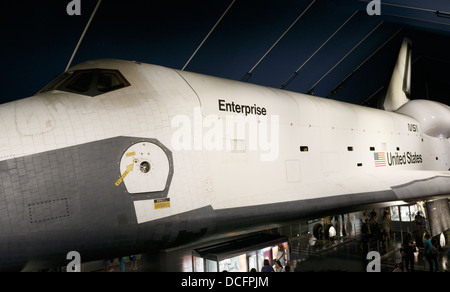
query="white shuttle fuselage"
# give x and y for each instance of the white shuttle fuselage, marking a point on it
(161, 157)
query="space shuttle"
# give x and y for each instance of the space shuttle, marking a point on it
(115, 158)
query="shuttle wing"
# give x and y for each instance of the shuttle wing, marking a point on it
(351, 190)
(336, 195)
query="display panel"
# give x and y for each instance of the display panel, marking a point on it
(395, 216)
(252, 262)
(211, 266)
(413, 210)
(265, 253)
(405, 214)
(198, 264)
(234, 264)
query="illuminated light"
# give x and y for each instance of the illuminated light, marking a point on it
(332, 232)
(442, 240)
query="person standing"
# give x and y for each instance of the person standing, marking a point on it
(133, 259)
(267, 267)
(409, 247)
(122, 263)
(278, 266)
(434, 254)
(427, 250)
(387, 224)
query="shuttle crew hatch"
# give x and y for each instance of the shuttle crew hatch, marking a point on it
(145, 168)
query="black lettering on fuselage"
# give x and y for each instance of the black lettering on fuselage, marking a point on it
(413, 128)
(241, 109)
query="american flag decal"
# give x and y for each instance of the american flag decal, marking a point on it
(380, 159)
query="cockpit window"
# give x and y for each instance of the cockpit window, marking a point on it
(80, 82)
(109, 81)
(91, 82)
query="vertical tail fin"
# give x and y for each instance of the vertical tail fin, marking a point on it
(400, 85)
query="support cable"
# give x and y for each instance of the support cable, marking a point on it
(286, 83)
(409, 7)
(417, 19)
(249, 73)
(346, 55)
(83, 34)
(210, 32)
(362, 64)
(371, 96)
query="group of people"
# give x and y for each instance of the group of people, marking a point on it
(278, 267)
(431, 250)
(280, 259)
(108, 264)
(373, 231)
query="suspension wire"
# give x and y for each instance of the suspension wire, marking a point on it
(408, 7)
(346, 55)
(415, 18)
(249, 73)
(372, 95)
(286, 83)
(332, 92)
(83, 34)
(210, 32)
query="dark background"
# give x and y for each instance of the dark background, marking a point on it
(38, 38)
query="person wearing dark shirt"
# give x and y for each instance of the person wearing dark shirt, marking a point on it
(409, 247)
(267, 267)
